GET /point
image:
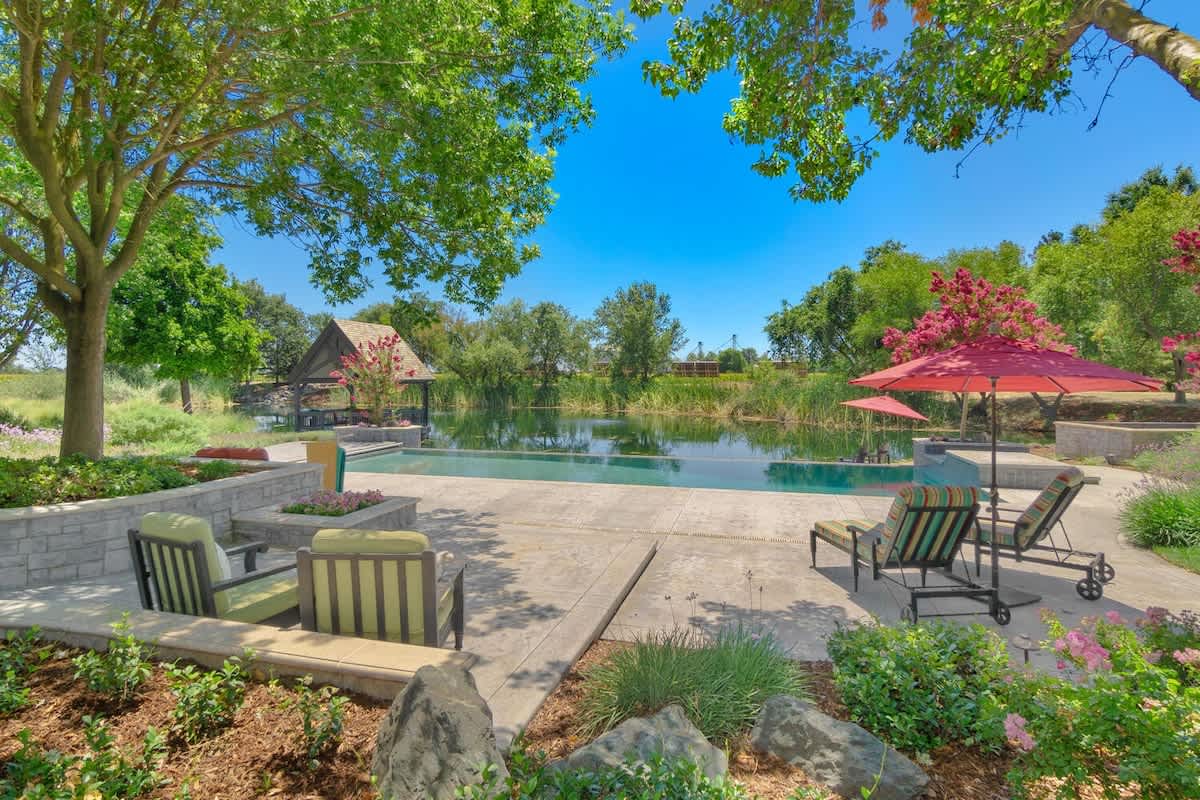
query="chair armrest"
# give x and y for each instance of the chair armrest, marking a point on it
(1091, 480)
(251, 551)
(250, 577)
(446, 581)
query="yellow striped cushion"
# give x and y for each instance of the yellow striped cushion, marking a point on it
(837, 533)
(914, 531)
(1033, 518)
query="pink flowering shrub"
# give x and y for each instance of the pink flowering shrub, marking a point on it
(967, 308)
(375, 376)
(1188, 263)
(334, 504)
(1121, 717)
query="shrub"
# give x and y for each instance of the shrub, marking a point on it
(206, 701)
(322, 717)
(14, 420)
(657, 780)
(25, 482)
(215, 470)
(1163, 515)
(14, 694)
(19, 657)
(1124, 723)
(1178, 460)
(720, 682)
(922, 686)
(334, 504)
(104, 773)
(118, 671)
(142, 423)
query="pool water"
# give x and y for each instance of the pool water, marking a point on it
(691, 472)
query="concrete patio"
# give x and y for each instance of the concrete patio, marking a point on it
(551, 566)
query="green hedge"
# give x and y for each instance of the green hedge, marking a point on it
(30, 482)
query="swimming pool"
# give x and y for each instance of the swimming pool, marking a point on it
(696, 473)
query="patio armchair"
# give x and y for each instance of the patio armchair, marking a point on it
(924, 530)
(379, 585)
(1023, 535)
(180, 569)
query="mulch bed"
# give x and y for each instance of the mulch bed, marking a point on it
(956, 772)
(258, 756)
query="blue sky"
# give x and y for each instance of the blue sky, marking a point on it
(656, 191)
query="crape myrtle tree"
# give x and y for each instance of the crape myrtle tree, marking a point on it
(415, 133)
(966, 72)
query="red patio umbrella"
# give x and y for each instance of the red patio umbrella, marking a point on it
(882, 404)
(994, 364)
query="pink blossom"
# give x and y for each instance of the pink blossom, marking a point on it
(1156, 614)
(1154, 657)
(1189, 656)
(1060, 664)
(1014, 729)
(1113, 617)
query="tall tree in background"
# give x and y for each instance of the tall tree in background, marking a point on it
(427, 325)
(817, 329)
(420, 132)
(968, 72)
(557, 342)
(1125, 199)
(177, 312)
(635, 326)
(286, 331)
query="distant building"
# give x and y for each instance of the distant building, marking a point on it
(696, 369)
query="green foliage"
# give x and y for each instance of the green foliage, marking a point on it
(1161, 514)
(322, 717)
(817, 329)
(26, 482)
(284, 330)
(143, 423)
(919, 687)
(490, 364)
(215, 470)
(103, 773)
(731, 360)
(656, 780)
(177, 311)
(118, 671)
(21, 653)
(14, 419)
(557, 342)
(720, 682)
(14, 694)
(1176, 461)
(1126, 726)
(637, 332)
(206, 700)
(1186, 557)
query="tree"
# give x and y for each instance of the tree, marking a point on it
(425, 324)
(419, 133)
(177, 312)
(286, 332)
(557, 342)
(968, 72)
(636, 327)
(490, 363)
(1128, 196)
(375, 376)
(1185, 347)
(817, 330)
(731, 360)
(21, 315)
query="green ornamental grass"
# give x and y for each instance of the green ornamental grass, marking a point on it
(720, 682)
(1163, 515)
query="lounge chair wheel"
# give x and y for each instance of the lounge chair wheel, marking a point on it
(1090, 589)
(1108, 573)
(906, 614)
(1003, 614)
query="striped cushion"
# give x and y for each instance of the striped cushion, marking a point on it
(837, 533)
(913, 533)
(1034, 520)
(1004, 533)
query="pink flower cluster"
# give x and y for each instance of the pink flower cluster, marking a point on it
(1014, 729)
(42, 435)
(334, 504)
(375, 375)
(1083, 649)
(1188, 657)
(1187, 262)
(967, 309)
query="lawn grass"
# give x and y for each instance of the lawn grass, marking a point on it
(1186, 557)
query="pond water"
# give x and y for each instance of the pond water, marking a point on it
(552, 431)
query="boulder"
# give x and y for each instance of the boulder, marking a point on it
(669, 734)
(436, 737)
(843, 756)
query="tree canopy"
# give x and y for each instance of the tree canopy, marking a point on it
(420, 134)
(286, 331)
(820, 90)
(637, 331)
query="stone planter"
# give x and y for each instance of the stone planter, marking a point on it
(1120, 439)
(405, 436)
(293, 531)
(64, 542)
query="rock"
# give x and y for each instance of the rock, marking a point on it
(436, 737)
(668, 733)
(841, 755)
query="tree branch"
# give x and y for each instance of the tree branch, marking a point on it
(1175, 52)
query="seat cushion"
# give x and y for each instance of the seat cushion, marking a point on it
(261, 599)
(837, 533)
(185, 529)
(1004, 533)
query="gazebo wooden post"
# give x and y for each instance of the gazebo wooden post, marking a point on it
(425, 404)
(297, 397)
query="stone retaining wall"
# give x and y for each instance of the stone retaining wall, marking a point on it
(293, 531)
(43, 544)
(1120, 439)
(408, 436)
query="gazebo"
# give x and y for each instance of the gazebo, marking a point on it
(343, 337)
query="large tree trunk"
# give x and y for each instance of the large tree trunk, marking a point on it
(1174, 51)
(83, 405)
(185, 395)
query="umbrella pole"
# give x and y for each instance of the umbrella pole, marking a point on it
(992, 501)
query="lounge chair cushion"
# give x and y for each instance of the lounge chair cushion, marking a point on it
(354, 541)
(930, 536)
(1004, 533)
(837, 533)
(1031, 522)
(185, 529)
(261, 599)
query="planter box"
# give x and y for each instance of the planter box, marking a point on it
(293, 531)
(406, 436)
(64, 542)
(1121, 439)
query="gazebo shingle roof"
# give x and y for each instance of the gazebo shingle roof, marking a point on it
(343, 337)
